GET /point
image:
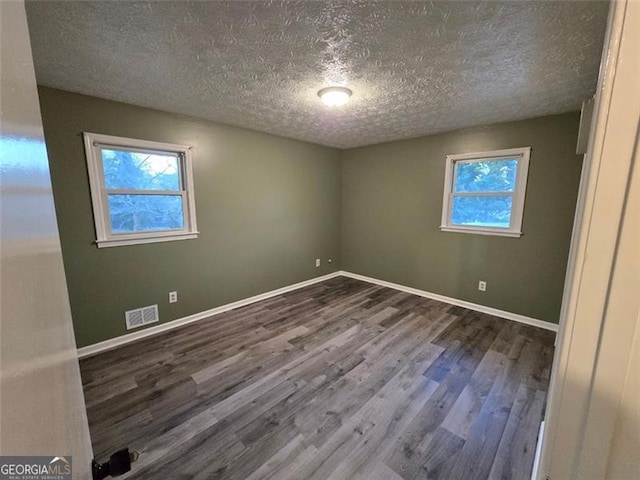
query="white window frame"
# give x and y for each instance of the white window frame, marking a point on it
(517, 207)
(93, 144)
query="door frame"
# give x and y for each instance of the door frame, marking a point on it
(571, 448)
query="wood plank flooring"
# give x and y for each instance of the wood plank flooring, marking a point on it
(340, 380)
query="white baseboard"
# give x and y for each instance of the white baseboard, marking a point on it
(460, 303)
(147, 332)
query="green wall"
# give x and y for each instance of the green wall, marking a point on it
(391, 209)
(266, 206)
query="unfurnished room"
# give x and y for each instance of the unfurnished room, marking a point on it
(320, 240)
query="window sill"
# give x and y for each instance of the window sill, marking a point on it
(121, 242)
(482, 231)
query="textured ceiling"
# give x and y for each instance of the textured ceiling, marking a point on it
(415, 68)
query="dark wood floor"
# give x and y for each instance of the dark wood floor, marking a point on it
(339, 380)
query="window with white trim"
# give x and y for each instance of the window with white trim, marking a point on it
(484, 192)
(142, 191)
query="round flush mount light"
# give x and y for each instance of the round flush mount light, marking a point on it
(334, 96)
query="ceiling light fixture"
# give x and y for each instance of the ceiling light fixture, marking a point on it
(334, 96)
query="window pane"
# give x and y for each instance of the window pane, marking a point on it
(488, 176)
(141, 213)
(482, 211)
(140, 171)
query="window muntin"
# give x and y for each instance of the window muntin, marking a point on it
(484, 192)
(141, 191)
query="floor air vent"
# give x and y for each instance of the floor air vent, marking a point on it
(141, 316)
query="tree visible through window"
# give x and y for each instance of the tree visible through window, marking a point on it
(484, 192)
(142, 172)
(141, 190)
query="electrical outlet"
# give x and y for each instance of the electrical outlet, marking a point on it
(482, 286)
(173, 297)
(317, 262)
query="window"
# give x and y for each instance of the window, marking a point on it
(141, 191)
(484, 192)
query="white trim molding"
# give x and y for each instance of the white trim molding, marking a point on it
(516, 317)
(147, 332)
(521, 155)
(536, 458)
(105, 237)
(164, 327)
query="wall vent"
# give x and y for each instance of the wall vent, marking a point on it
(141, 316)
